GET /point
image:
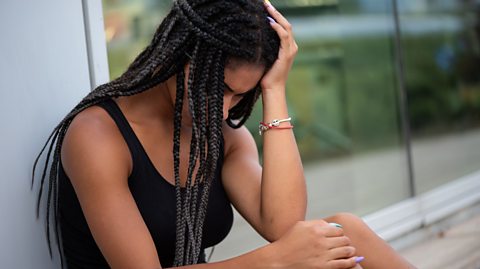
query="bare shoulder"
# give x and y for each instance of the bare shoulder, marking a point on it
(96, 159)
(93, 141)
(238, 140)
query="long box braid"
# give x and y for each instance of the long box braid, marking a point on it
(207, 34)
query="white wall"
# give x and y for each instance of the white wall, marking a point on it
(44, 72)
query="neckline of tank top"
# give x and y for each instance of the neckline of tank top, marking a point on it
(145, 154)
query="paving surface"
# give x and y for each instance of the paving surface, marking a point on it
(457, 247)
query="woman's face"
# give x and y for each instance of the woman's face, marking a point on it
(239, 79)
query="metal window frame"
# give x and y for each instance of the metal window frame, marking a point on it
(96, 42)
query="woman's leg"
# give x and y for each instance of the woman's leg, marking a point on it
(378, 254)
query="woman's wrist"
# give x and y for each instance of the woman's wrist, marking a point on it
(269, 258)
(273, 92)
(265, 257)
(274, 104)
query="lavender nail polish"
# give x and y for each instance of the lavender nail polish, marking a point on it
(270, 19)
(359, 259)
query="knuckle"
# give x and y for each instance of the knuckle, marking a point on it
(350, 251)
(346, 252)
(283, 35)
(346, 241)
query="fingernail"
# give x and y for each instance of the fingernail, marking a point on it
(336, 224)
(359, 259)
(268, 4)
(270, 19)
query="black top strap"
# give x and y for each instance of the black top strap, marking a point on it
(122, 123)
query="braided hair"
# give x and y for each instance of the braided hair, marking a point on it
(207, 34)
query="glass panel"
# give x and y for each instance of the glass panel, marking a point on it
(441, 41)
(343, 97)
(342, 93)
(129, 27)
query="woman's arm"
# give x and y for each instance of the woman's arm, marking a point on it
(271, 199)
(97, 161)
(283, 184)
(307, 245)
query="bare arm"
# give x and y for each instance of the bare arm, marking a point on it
(271, 199)
(97, 161)
(307, 245)
(284, 198)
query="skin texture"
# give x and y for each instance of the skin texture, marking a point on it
(271, 198)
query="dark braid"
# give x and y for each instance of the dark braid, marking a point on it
(180, 232)
(207, 34)
(215, 138)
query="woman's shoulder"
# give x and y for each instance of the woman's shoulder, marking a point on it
(92, 122)
(93, 136)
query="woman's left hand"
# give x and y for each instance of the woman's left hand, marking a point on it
(276, 77)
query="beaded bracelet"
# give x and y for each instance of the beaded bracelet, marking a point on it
(275, 124)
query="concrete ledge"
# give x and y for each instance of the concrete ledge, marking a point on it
(404, 217)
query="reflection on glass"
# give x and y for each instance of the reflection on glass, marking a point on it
(342, 91)
(441, 43)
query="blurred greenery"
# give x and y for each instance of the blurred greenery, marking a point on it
(343, 92)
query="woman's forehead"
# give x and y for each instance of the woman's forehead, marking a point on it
(243, 77)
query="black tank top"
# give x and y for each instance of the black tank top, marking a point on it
(155, 198)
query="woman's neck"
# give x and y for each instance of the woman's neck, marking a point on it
(155, 105)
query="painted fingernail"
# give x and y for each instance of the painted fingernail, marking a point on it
(359, 259)
(336, 224)
(270, 19)
(268, 4)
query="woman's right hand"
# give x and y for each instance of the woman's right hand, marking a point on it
(313, 244)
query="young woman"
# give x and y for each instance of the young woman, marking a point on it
(145, 168)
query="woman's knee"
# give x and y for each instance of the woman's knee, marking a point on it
(346, 220)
